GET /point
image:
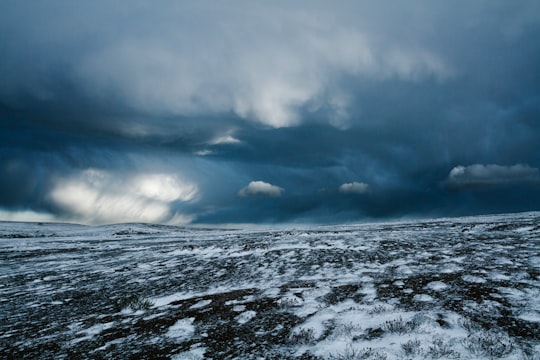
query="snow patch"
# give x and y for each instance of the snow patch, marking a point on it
(245, 316)
(92, 331)
(239, 308)
(197, 353)
(436, 286)
(473, 279)
(201, 304)
(182, 329)
(532, 316)
(422, 298)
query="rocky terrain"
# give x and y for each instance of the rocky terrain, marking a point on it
(464, 288)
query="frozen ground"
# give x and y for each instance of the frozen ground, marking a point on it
(464, 288)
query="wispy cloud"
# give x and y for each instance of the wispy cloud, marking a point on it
(354, 188)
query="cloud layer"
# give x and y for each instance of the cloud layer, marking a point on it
(128, 111)
(486, 175)
(232, 59)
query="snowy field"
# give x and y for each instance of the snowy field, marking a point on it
(465, 288)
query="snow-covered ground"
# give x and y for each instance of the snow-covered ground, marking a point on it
(464, 288)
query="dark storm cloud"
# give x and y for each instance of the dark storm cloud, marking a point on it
(490, 175)
(165, 112)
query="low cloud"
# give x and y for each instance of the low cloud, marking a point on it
(354, 188)
(100, 197)
(25, 215)
(261, 188)
(486, 175)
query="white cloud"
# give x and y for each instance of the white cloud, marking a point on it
(261, 188)
(478, 175)
(354, 188)
(204, 152)
(225, 139)
(162, 187)
(100, 197)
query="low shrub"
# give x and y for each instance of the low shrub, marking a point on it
(489, 343)
(412, 347)
(439, 349)
(135, 303)
(302, 336)
(399, 326)
(351, 353)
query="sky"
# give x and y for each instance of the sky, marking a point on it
(265, 112)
